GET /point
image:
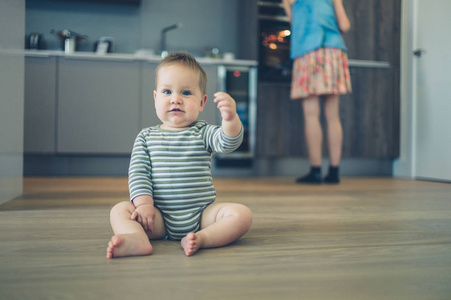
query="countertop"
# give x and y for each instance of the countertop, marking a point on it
(133, 57)
(157, 58)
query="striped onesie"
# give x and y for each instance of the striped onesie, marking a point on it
(174, 167)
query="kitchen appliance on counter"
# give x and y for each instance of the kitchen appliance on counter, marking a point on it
(240, 82)
(104, 45)
(69, 39)
(275, 64)
(35, 41)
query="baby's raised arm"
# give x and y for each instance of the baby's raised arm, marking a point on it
(231, 123)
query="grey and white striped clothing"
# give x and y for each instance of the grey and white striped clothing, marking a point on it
(174, 167)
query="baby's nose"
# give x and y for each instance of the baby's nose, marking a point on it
(176, 98)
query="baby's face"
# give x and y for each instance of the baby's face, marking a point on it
(178, 98)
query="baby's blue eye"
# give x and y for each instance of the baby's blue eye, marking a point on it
(186, 93)
(166, 92)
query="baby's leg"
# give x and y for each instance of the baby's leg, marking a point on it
(221, 224)
(130, 238)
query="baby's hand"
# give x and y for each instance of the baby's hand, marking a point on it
(226, 105)
(145, 215)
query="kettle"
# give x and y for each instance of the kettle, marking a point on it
(69, 39)
(35, 41)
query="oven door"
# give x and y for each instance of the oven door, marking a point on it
(274, 53)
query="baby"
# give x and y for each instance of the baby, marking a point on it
(170, 181)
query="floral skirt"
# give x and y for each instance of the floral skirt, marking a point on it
(323, 71)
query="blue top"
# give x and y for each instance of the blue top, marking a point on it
(313, 26)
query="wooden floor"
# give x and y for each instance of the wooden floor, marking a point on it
(363, 239)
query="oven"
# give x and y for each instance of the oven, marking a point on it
(274, 50)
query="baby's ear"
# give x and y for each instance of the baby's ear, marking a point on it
(203, 101)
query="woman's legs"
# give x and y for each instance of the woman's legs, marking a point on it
(334, 129)
(312, 128)
(334, 136)
(314, 138)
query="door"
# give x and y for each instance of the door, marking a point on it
(432, 117)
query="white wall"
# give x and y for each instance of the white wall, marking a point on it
(205, 23)
(12, 24)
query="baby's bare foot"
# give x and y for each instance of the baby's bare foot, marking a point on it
(128, 245)
(191, 243)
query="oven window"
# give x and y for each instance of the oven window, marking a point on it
(274, 61)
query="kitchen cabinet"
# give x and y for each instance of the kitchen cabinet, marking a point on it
(98, 105)
(84, 104)
(370, 115)
(40, 104)
(369, 118)
(279, 122)
(375, 30)
(147, 113)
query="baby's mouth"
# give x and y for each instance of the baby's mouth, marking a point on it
(176, 110)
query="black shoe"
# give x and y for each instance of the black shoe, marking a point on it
(332, 177)
(313, 177)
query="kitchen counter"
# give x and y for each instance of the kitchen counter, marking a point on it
(63, 89)
(157, 58)
(133, 57)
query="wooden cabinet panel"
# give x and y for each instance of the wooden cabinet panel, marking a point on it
(369, 117)
(375, 30)
(279, 122)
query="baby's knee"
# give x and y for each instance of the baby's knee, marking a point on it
(245, 214)
(124, 206)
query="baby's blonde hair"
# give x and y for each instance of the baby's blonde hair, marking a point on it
(185, 59)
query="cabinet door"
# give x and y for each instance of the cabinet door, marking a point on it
(369, 118)
(280, 123)
(40, 104)
(370, 115)
(375, 30)
(148, 114)
(98, 106)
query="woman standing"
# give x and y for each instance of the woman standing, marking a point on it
(320, 68)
